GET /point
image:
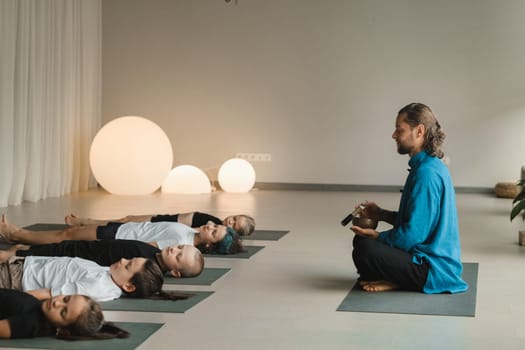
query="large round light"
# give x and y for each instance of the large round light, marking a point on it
(130, 155)
(186, 179)
(236, 175)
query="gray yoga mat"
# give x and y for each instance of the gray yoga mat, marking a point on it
(266, 235)
(402, 302)
(208, 276)
(46, 227)
(250, 250)
(139, 333)
(149, 305)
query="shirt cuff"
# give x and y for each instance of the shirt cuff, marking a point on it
(383, 236)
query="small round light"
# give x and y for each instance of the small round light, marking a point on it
(236, 175)
(186, 179)
(131, 156)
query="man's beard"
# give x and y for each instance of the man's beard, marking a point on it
(402, 149)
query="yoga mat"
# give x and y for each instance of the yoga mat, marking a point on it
(46, 227)
(402, 302)
(139, 333)
(149, 305)
(250, 250)
(266, 235)
(206, 278)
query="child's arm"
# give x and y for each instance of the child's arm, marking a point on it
(5, 329)
(153, 244)
(40, 294)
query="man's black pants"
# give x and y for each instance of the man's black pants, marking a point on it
(377, 261)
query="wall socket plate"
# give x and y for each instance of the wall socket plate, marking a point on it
(254, 157)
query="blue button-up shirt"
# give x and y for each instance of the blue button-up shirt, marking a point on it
(426, 224)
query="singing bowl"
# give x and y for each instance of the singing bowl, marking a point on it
(364, 222)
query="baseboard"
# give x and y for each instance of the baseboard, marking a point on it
(287, 186)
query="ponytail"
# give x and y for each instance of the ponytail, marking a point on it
(170, 295)
(419, 113)
(107, 331)
(148, 281)
(148, 284)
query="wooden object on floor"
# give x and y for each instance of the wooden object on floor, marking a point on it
(506, 189)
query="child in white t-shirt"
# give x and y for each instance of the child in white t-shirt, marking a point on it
(210, 238)
(45, 277)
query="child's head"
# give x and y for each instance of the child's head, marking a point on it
(243, 224)
(137, 277)
(76, 315)
(183, 260)
(212, 233)
(230, 244)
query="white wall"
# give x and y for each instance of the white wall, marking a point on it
(318, 83)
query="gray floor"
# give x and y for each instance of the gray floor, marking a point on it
(286, 295)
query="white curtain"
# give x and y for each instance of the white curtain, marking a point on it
(50, 96)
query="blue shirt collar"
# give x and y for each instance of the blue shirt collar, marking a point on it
(417, 159)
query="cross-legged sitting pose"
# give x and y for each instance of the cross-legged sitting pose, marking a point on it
(209, 238)
(180, 261)
(69, 317)
(45, 277)
(422, 250)
(242, 224)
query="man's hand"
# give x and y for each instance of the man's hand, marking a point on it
(371, 210)
(375, 212)
(365, 232)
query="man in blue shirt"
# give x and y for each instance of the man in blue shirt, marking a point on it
(422, 250)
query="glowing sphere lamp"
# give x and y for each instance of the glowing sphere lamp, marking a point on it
(236, 175)
(186, 179)
(131, 156)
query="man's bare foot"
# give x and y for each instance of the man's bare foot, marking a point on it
(379, 286)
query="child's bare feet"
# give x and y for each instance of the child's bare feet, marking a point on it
(73, 220)
(6, 230)
(5, 255)
(379, 286)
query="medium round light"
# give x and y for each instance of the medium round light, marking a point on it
(186, 179)
(131, 156)
(236, 175)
